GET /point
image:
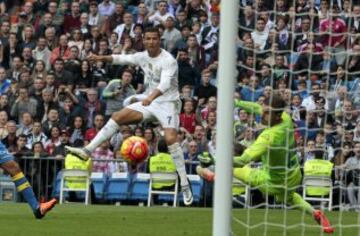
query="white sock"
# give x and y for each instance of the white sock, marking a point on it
(104, 134)
(178, 157)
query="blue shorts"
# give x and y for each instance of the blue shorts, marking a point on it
(5, 156)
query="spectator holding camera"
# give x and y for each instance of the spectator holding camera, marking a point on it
(117, 91)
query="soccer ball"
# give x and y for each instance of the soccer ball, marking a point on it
(134, 150)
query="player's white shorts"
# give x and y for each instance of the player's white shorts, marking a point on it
(167, 113)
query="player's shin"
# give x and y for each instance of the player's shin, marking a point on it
(300, 203)
(178, 157)
(24, 187)
(104, 134)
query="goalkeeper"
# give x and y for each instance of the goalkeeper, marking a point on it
(280, 173)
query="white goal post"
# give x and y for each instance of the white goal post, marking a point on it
(224, 131)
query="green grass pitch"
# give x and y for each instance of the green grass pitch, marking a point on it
(80, 220)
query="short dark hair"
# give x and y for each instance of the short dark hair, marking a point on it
(238, 149)
(276, 102)
(162, 146)
(152, 30)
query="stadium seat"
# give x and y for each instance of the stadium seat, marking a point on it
(73, 173)
(117, 188)
(318, 181)
(7, 189)
(246, 192)
(164, 178)
(99, 180)
(140, 187)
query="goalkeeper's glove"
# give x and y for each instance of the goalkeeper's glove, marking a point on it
(206, 159)
(236, 102)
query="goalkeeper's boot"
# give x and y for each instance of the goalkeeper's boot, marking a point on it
(320, 217)
(44, 208)
(187, 195)
(81, 153)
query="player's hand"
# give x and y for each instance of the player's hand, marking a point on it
(146, 102)
(93, 58)
(206, 159)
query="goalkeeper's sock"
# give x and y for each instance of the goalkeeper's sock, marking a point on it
(104, 134)
(301, 204)
(24, 187)
(178, 157)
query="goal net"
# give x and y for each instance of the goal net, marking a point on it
(308, 53)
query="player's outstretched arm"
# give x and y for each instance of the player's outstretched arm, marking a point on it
(104, 58)
(131, 59)
(251, 107)
(254, 152)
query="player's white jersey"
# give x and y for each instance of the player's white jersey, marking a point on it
(161, 72)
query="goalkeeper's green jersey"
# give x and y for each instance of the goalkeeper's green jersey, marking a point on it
(275, 147)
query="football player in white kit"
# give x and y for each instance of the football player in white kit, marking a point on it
(161, 102)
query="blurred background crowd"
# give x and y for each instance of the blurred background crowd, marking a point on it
(51, 95)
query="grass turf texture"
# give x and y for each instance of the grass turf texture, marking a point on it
(76, 220)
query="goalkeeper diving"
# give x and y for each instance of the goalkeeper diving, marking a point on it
(280, 173)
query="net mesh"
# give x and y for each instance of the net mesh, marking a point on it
(307, 52)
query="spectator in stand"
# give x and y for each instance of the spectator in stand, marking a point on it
(23, 104)
(84, 25)
(10, 140)
(188, 75)
(117, 17)
(333, 31)
(160, 16)
(77, 129)
(93, 106)
(26, 123)
(20, 149)
(59, 150)
(150, 137)
(36, 135)
(103, 153)
(4, 81)
(41, 52)
(117, 91)
(170, 35)
(309, 102)
(126, 29)
(95, 18)
(72, 20)
(200, 138)
(47, 21)
(51, 39)
(61, 52)
(210, 36)
(260, 35)
(196, 53)
(205, 89)
(352, 165)
(54, 140)
(210, 107)
(188, 118)
(99, 122)
(253, 91)
(3, 121)
(190, 157)
(106, 8)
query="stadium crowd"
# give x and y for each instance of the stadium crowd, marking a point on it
(52, 96)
